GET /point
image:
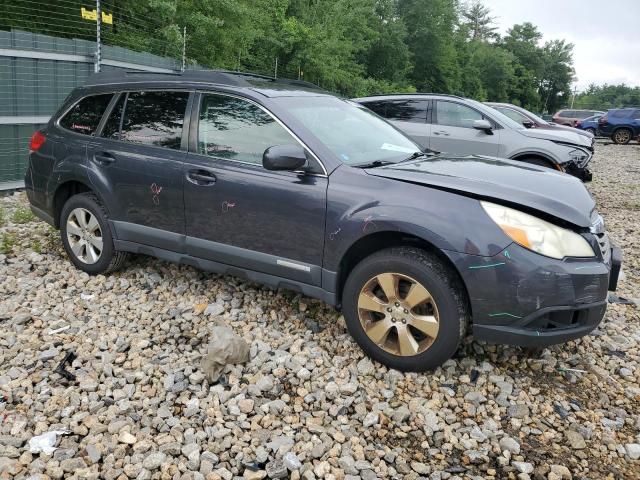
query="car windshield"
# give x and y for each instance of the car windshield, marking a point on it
(353, 133)
(496, 115)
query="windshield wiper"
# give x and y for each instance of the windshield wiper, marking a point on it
(416, 155)
(374, 164)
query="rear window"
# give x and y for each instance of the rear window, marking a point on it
(85, 115)
(154, 118)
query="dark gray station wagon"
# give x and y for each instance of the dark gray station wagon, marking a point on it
(282, 183)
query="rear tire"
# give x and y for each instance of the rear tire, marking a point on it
(622, 136)
(420, 311)
(86, 235)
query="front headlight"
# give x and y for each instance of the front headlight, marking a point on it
(535, 234)
(578, 156)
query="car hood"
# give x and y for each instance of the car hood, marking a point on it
(559, 135)
(507, 181)
(564, 128)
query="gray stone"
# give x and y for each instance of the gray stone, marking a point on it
(154, 460)
(291, 461)
(276, 469)
(523, 467)
(575, 440)
(348, 464)
(518, 411)
(509, 444)
(633, 450)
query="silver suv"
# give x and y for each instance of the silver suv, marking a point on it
(462, 126)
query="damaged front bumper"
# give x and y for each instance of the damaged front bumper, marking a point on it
(521, 298)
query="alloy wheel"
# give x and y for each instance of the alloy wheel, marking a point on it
(622, 136)
(398, 314)
(84, 235)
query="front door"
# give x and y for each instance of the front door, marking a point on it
(237, 212)
(137, 165)
(452, 131)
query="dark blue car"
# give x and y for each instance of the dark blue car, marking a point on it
(284, 184)
(589, 124)
(620, 124)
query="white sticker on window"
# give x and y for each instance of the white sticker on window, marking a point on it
(396, 148)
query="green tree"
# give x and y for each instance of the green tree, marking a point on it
(478, 21)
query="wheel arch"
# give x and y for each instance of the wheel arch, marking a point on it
(64, 192)
(374, 242)
(538, 156)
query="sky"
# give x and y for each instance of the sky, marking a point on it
(605, 34)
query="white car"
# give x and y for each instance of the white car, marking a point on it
(447, 123)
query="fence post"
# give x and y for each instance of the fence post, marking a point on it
(96, 66)
(275, 71)
(184, 47)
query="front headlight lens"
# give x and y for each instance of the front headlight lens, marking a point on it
(578, 156)
(535, 234)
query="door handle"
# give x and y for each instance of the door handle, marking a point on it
(444, 134)
(201, 177)
(104, 158)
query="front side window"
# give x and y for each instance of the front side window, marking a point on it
(414, 111)
(234, 129)
(154, 118)
(378, 107)
(85, 115)
(456, 115)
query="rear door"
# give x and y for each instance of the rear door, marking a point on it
(452, 130)
(237, 212)
(137, 163)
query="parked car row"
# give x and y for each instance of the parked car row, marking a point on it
(620, 124)
(284, 184)
(461, 126)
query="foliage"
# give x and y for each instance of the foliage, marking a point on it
(353, 47)
(22, 215)
(7, 242)
(608, 96)
(1, 216)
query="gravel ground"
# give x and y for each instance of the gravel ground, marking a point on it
(308, 403)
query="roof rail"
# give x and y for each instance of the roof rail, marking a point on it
(223, 77)
(413, 93)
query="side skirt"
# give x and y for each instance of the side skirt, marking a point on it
(222, 268)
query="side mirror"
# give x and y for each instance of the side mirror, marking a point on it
(284, 157)
(484, 125)
(527, 123)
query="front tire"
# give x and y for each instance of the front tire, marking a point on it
(541, 162)
(406, 308)
(86, 235)
(622, 136)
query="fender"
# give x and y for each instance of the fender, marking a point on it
(435, 216)
(536, 153)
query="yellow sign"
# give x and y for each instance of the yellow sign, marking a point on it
(93, 16)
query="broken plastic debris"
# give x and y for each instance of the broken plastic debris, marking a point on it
(58, 330)
(225, 347)
(45, 443)
(86, 296)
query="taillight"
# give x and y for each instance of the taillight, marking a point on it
(578, 123)
(37, 140)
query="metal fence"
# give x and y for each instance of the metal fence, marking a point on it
(37, 72)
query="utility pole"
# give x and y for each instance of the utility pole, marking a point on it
(275, 72)
(573, 96)
(184, 47)
(98, 59)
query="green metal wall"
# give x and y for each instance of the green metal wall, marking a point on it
(35, 87)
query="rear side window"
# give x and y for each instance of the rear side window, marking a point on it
(378, 107)
(414, 111)
(154, 118)
(456, 114)
(235, 129)
(85, 115)
(111, 127)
